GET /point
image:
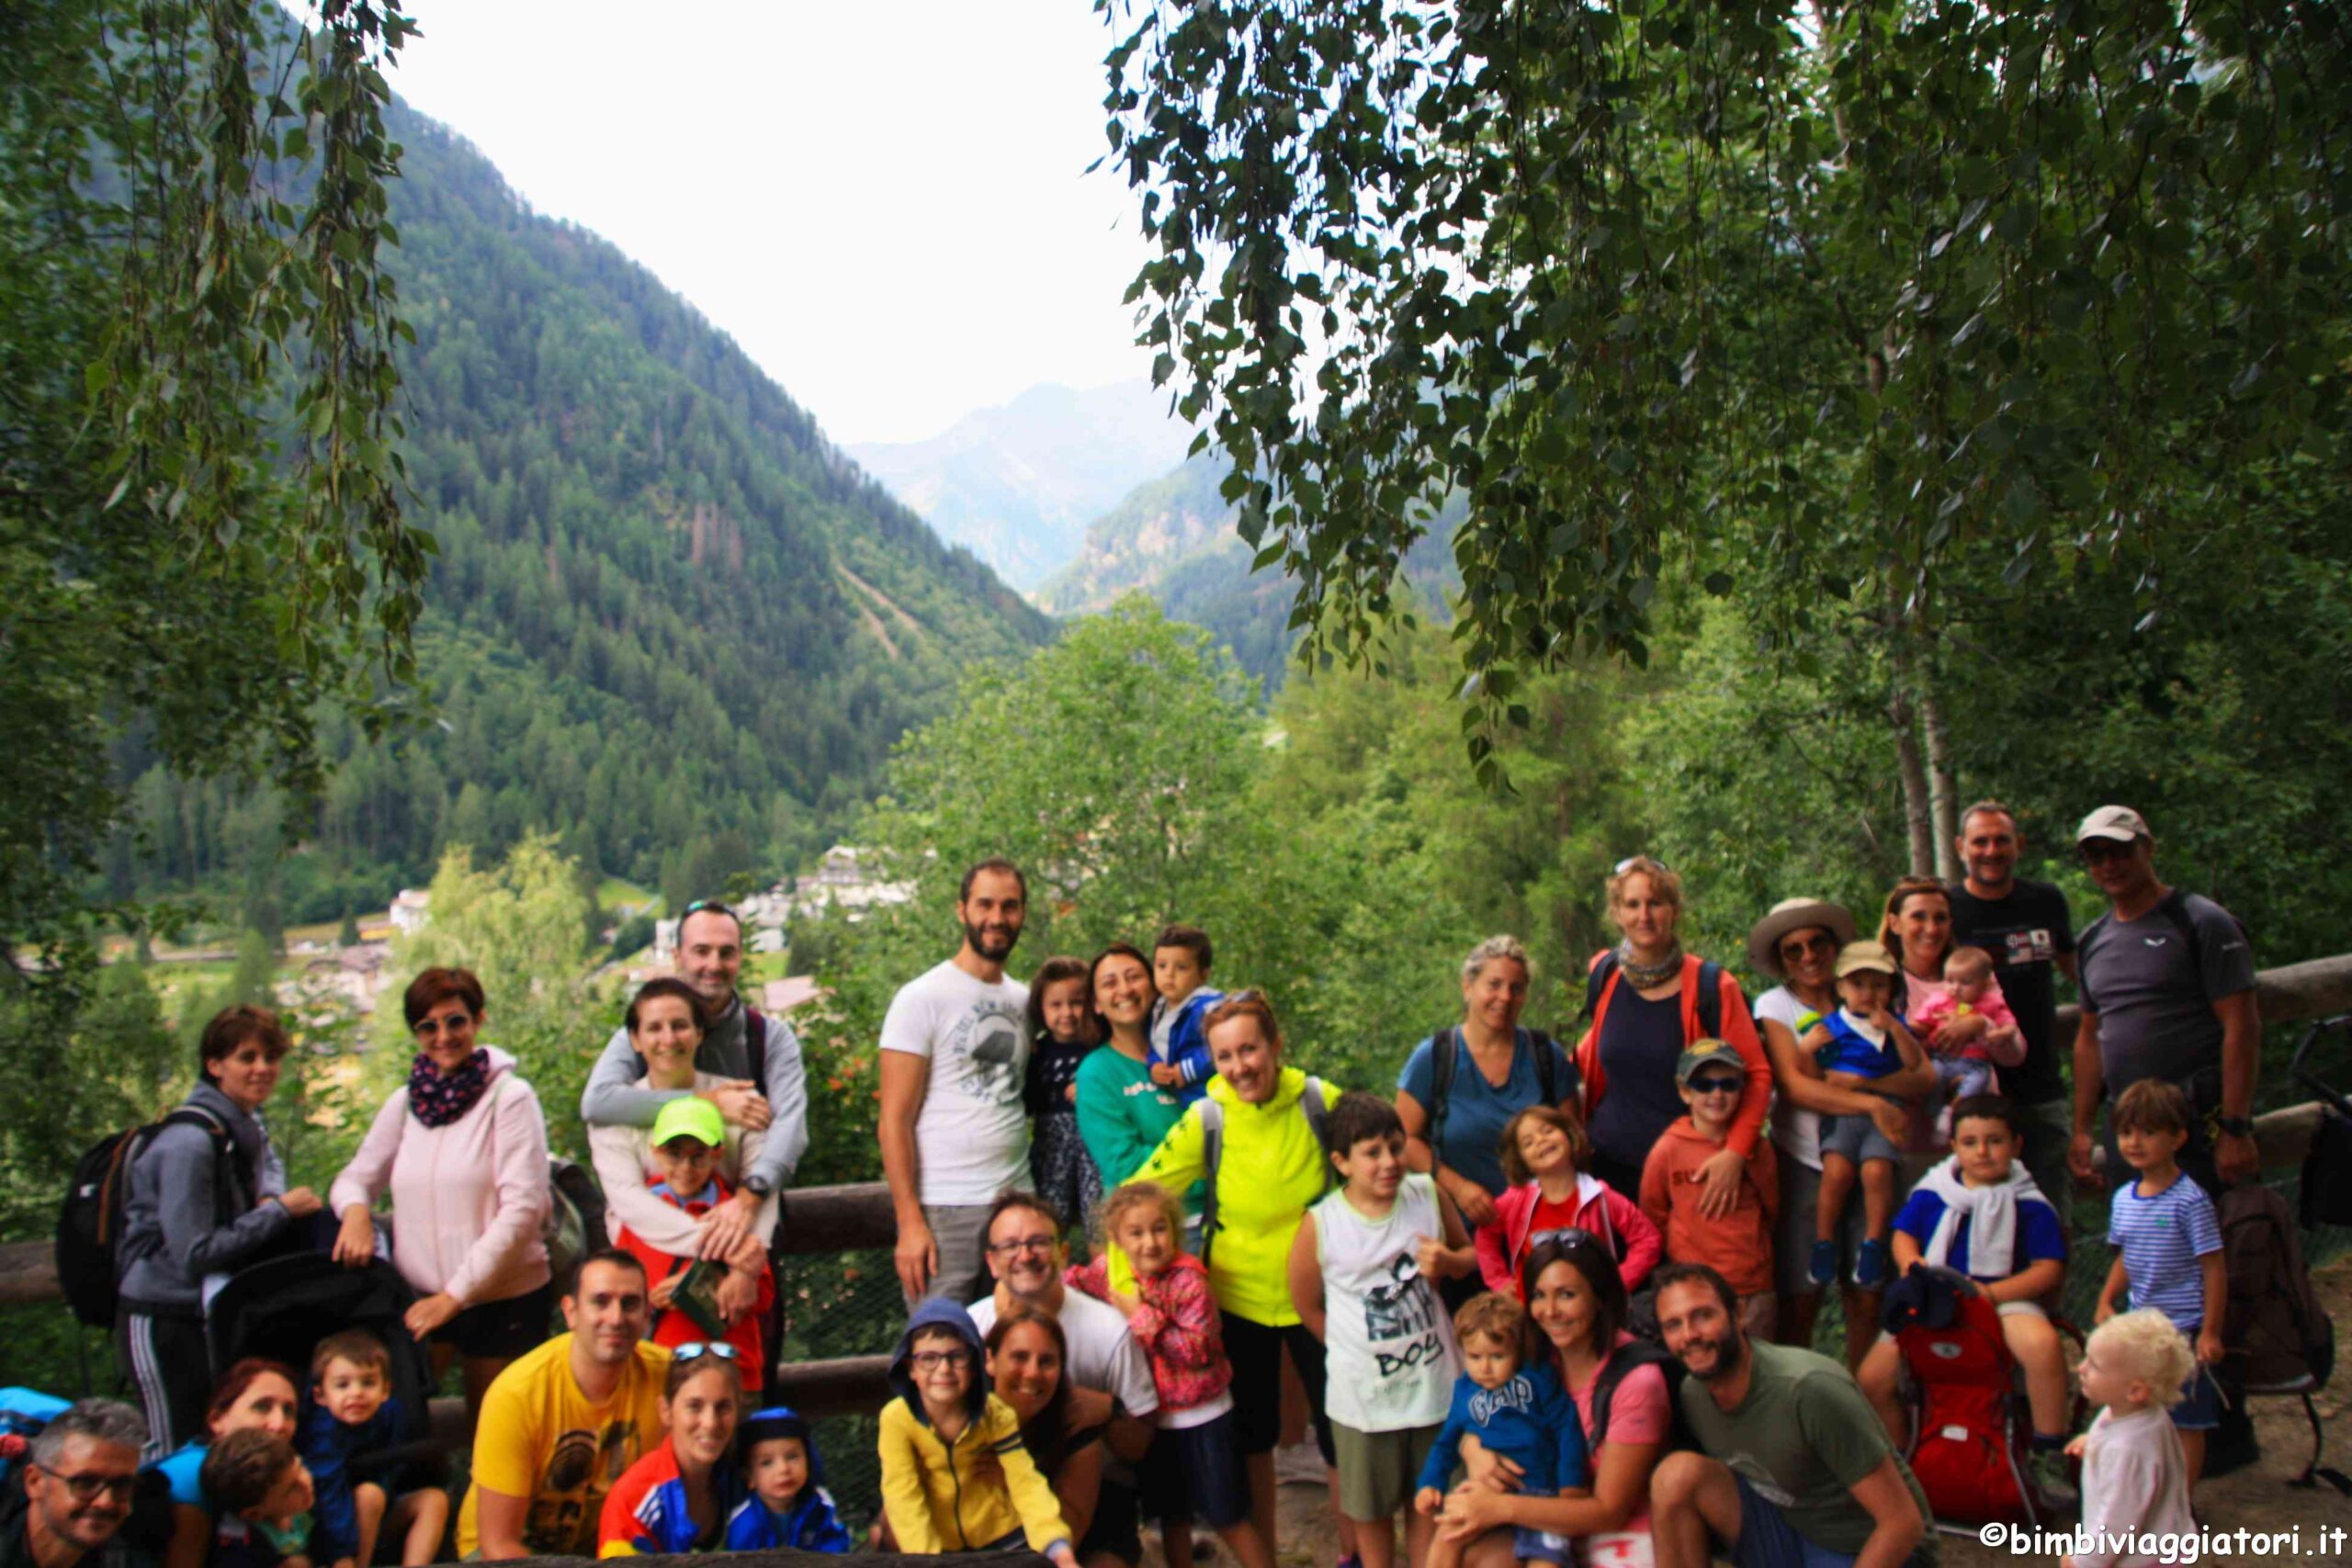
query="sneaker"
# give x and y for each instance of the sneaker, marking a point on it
(1823, 1268)
(1872, 1264)
(2046, 1471)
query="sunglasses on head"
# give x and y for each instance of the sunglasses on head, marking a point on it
(696, 1352)
(709, 907)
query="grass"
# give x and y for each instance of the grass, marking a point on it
(617, 895)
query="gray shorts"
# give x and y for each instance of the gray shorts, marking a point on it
(1858, 1138)
(960, 1231)
(1793, 1230)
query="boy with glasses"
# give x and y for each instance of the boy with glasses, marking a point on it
(1738, 1244)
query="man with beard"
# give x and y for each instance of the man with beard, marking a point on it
(710, 959)
(563, 1423)
(69, 1509)
(954, 1132)
(2023, 926)
(1796, 1471)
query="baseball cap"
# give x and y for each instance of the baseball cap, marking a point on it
(1707, 1053)
(2120, 823)
(689, 1116)
(1856, 957)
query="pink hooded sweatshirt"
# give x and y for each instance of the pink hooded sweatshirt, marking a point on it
(471, 1198)
(1600, 1209)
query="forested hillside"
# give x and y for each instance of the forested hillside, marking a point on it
(1173, 539)
(669, 620)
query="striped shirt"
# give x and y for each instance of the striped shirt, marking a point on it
(2161, 1239)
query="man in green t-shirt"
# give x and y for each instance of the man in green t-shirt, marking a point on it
(1797, 1473)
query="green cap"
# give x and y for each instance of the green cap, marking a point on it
(1704, 1052)
(689, 1116)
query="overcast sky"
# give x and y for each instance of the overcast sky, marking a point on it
(884, 204)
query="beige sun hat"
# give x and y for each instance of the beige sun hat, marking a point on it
(1792, 915)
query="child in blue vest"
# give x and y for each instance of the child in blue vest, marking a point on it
(1861, 1041)
(1179, 1046)
(1521, 1414)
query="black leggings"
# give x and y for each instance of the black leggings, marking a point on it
(1256, 1350)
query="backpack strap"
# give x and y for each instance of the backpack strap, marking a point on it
(233, 1174)
(1597, 976)
(2174, 907)
(1212, 1156)
(1709, 1000)
(1548, 1077)
(755, 1041)
(1445, 1058)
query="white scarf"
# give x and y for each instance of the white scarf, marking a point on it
(1991, 1213)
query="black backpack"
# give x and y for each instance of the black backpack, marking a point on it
(1445, 1060)
(1710, 1003)
(89, 1223)
(2277, 1334)
(1622, 1362)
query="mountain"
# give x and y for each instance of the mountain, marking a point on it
(669, 620)
(1173, 538)
(1018, 484)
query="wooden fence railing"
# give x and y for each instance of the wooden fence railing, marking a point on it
(858, 1217)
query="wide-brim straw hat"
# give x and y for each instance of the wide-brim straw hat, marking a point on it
(1794, 914)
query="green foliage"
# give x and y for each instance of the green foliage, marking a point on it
(1810, 304)
(519, 926)
(191, 204)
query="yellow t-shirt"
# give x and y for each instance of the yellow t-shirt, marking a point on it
(540, 1438)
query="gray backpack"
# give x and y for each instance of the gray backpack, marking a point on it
(1213, 1152)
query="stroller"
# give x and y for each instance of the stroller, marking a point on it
(1970, 1433)
(283, 1306)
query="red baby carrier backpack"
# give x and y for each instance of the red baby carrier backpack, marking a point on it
(1969, 1436)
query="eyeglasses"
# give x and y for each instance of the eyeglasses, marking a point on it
(1022, 1244)
(938, 1360)
(696, 1352)
(1717, 1085)
(2098, 852)
(89, 1483)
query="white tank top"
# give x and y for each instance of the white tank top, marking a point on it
(1392, 1358)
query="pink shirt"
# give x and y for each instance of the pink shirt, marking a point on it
(1639, 1414)
(470, 1198)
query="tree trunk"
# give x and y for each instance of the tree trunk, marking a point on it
(1943, 794)
(1919, 819)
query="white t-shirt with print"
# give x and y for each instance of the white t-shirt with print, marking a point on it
(971, 1137)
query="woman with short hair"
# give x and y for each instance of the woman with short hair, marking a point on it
(462, 1149)
(207, 1195)
(1461, 1087)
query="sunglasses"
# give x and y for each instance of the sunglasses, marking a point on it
(2098, 852)
(1717, 1085)
(710, 907)
(1797, 947)
(695, 1352)
(83, 1487)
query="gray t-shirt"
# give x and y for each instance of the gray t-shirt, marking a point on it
(2154, 988)
(1804, 1438)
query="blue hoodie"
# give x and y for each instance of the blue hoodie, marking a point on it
(811, 1523)
(1529, 1420)
(1188, 1042)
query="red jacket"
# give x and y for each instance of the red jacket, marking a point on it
(1600, 1209)
(1738, 1245)
(1739, 1032)
(674, 1328)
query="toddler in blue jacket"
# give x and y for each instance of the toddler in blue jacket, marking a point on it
(1524, 1415)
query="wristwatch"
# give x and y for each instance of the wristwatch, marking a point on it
(758, 1186)
(2236, 1126)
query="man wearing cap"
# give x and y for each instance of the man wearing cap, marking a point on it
(1796, 943)
(756, 1058)
(2024, 927)
(2167, 988)
(1737, 1245)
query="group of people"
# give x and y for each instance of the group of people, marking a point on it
(1545, 1301)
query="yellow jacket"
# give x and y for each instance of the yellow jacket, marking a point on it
(970, 1494)
(1272, 1168)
